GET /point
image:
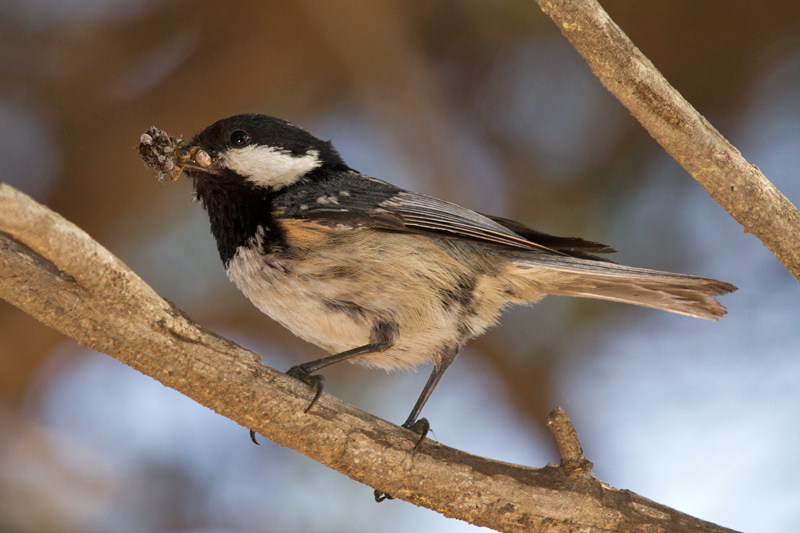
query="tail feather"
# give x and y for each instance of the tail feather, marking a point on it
(676, 293)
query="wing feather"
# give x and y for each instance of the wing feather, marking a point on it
(356, 200)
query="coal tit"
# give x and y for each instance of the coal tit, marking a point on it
(379, 275)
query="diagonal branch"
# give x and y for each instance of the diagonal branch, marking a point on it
(685, 134)
(55, 272)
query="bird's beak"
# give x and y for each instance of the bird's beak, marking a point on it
(195, 158)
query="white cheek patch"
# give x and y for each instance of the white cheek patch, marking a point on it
(270, 167)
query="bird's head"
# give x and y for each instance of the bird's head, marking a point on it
(256, 151)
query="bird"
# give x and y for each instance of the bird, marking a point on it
(382, 276)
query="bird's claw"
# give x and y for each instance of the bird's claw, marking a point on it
(315, 381)
(421, 427)
(380, 496)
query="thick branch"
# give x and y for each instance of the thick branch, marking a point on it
(735, 184)
(55, 272)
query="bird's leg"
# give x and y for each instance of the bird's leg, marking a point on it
(381, 339)
(422, 426)
(305, 372)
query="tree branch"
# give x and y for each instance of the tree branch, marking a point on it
(55, 272)
(685, 134)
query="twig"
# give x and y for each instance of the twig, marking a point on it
(573, 461)
(55, 272)
(685, 134)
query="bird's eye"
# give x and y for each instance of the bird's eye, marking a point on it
(240, 138)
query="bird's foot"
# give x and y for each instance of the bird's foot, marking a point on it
(315, 381)
(421, 427)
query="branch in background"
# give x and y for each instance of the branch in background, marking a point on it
(735, 184)
(55, 272)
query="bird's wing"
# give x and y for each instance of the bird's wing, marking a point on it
(352, 199)
(573, 246)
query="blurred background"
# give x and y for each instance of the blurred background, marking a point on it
(483, 103)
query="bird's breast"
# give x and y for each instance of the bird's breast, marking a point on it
(332, 286)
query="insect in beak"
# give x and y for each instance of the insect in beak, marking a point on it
(194, 157)
(170, 157)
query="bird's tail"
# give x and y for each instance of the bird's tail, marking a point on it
(586, 278)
